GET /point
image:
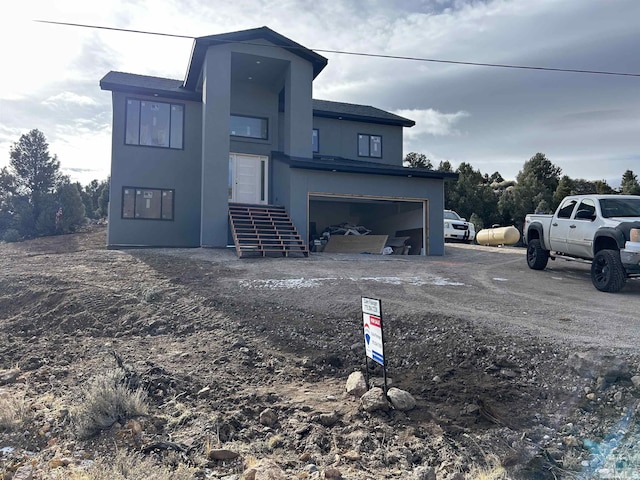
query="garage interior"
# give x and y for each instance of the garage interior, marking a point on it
(396, 218)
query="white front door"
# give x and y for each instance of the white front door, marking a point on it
(247, 178)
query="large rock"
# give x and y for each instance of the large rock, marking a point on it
(374, 400)
(593, 364)
(268, 417)
(264, 470)
(400, 399)
(424, 473)
(356, 384)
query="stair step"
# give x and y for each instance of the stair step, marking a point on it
(263, 229)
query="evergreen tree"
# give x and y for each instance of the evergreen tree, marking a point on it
(629, 184)
(70, 213)
(36, 174)
(103, 199)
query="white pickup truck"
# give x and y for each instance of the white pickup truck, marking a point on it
(601, 229)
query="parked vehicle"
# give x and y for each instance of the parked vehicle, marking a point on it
(457, 228)
(601, 229)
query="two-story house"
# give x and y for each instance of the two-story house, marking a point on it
(243, 128)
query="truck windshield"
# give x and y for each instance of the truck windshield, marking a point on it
(620, 207)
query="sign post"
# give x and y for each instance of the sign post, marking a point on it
(373, 336)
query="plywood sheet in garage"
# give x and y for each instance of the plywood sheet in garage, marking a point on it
(356, 244)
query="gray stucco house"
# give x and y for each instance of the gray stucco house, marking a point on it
(242, 127)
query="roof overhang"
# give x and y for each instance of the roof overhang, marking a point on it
(344, 165)
(201, 44)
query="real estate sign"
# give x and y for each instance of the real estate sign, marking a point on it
(372, 322)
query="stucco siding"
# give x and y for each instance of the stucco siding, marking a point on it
(340, 138)
(156, 168)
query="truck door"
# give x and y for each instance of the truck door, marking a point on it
(580, 234)
(560, 226)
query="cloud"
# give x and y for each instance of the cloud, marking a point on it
(66, 98)
(432, 122)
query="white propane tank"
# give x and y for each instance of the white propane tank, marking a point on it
(498, 236)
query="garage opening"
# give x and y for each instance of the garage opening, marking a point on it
(402, 220)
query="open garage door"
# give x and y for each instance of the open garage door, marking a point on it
(390, 216)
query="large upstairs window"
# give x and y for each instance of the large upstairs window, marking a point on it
(155, 124)
(249, 127)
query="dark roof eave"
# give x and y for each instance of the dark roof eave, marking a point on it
(389, 170)
(174, 94)
(362, 118)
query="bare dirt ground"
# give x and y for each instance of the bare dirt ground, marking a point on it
(518, 373)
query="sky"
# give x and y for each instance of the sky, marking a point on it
(492, 118)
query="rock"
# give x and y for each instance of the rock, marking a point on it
(351, 455)
(400, 399)
(617, 397)
(636, 381)
(593, 364)
(424, 473)
(222, 454)
(374, 400)
(24, 473)
(268, 417)
(333, 473)
(356, 384)
(9, 376)
(264, 470)
(328, 419)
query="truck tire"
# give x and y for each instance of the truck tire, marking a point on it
(537, 257)
(607, 271)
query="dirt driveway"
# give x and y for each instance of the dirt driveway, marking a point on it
(484, 284)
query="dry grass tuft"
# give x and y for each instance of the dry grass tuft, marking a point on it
(14, 411)
(126, 466)
(108, 399)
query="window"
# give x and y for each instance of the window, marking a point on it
(155, 124)
(147, 203)
(315, 140)
(250, 127)
(369, 146)
(567, 208)
(586, 210)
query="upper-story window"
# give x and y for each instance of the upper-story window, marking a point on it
(369, 145)
(155, 124)
(315, 140)
(250, 127)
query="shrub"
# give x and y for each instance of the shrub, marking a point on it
(13, 412)
(11, 235)
(126, 466)
(108, 399)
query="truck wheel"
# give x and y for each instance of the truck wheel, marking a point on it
(607, 272)
(537, 257)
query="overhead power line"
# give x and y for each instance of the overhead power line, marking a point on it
(372, 55)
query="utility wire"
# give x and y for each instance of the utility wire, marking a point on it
(372, 55)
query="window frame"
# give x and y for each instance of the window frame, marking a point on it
(254, 117)
(586, 202)
(162, 191)
(171, 133)
(370, 140)
(571, 202)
